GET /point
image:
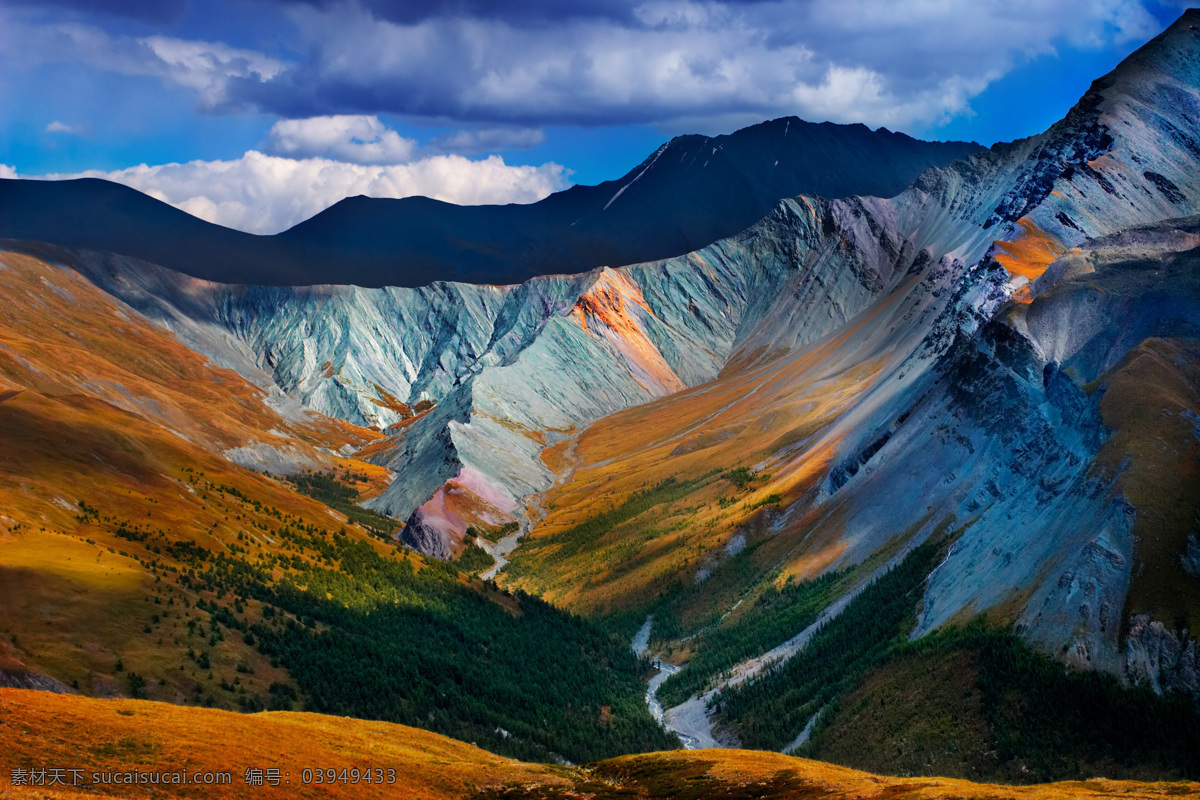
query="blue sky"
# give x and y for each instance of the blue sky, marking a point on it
(258, 113)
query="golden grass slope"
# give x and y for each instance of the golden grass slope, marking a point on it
(100, 407)
(61, 336)
(39, 730)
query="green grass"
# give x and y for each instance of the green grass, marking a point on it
(365, 630)
(369, 636)
(495, 534)
(553, 550)
(1051, 718)
(685, 610)
(338, 495)
(474, 559)
(1039, 721)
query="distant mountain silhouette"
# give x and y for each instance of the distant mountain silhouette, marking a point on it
(691, 192)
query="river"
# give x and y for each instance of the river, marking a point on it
(685, 732)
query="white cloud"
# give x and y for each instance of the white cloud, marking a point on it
(363, 139)
(7, 172)
(263, 193)
(679, 13)
(207, 67)
(358, 139)
(858, 93)
(61, 127)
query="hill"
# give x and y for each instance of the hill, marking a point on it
(1000, 362)
(39, 731)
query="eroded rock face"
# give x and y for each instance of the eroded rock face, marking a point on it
(1191, 557)
(20, 679)
(427, 538)
(514, 368)
(996, 446)
(1158, 657)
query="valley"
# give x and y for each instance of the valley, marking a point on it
(141, 558)
(904, 483)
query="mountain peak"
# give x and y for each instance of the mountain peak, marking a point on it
(1175, 53)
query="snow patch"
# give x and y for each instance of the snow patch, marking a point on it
(635, 178)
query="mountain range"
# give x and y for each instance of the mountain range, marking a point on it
(689, 193)
(901, 472)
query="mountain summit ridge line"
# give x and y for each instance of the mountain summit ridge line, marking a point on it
(702, 189)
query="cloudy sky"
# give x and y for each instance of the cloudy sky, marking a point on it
(258, 113)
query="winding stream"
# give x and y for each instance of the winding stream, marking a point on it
(641, 647)
(500, 551)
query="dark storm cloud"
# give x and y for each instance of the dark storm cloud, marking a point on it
(523, 11)
(487, 140)
(518, 12)
(154, 12)
(671, 63)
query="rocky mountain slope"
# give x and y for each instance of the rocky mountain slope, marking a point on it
(690, 192)
(999, 388)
